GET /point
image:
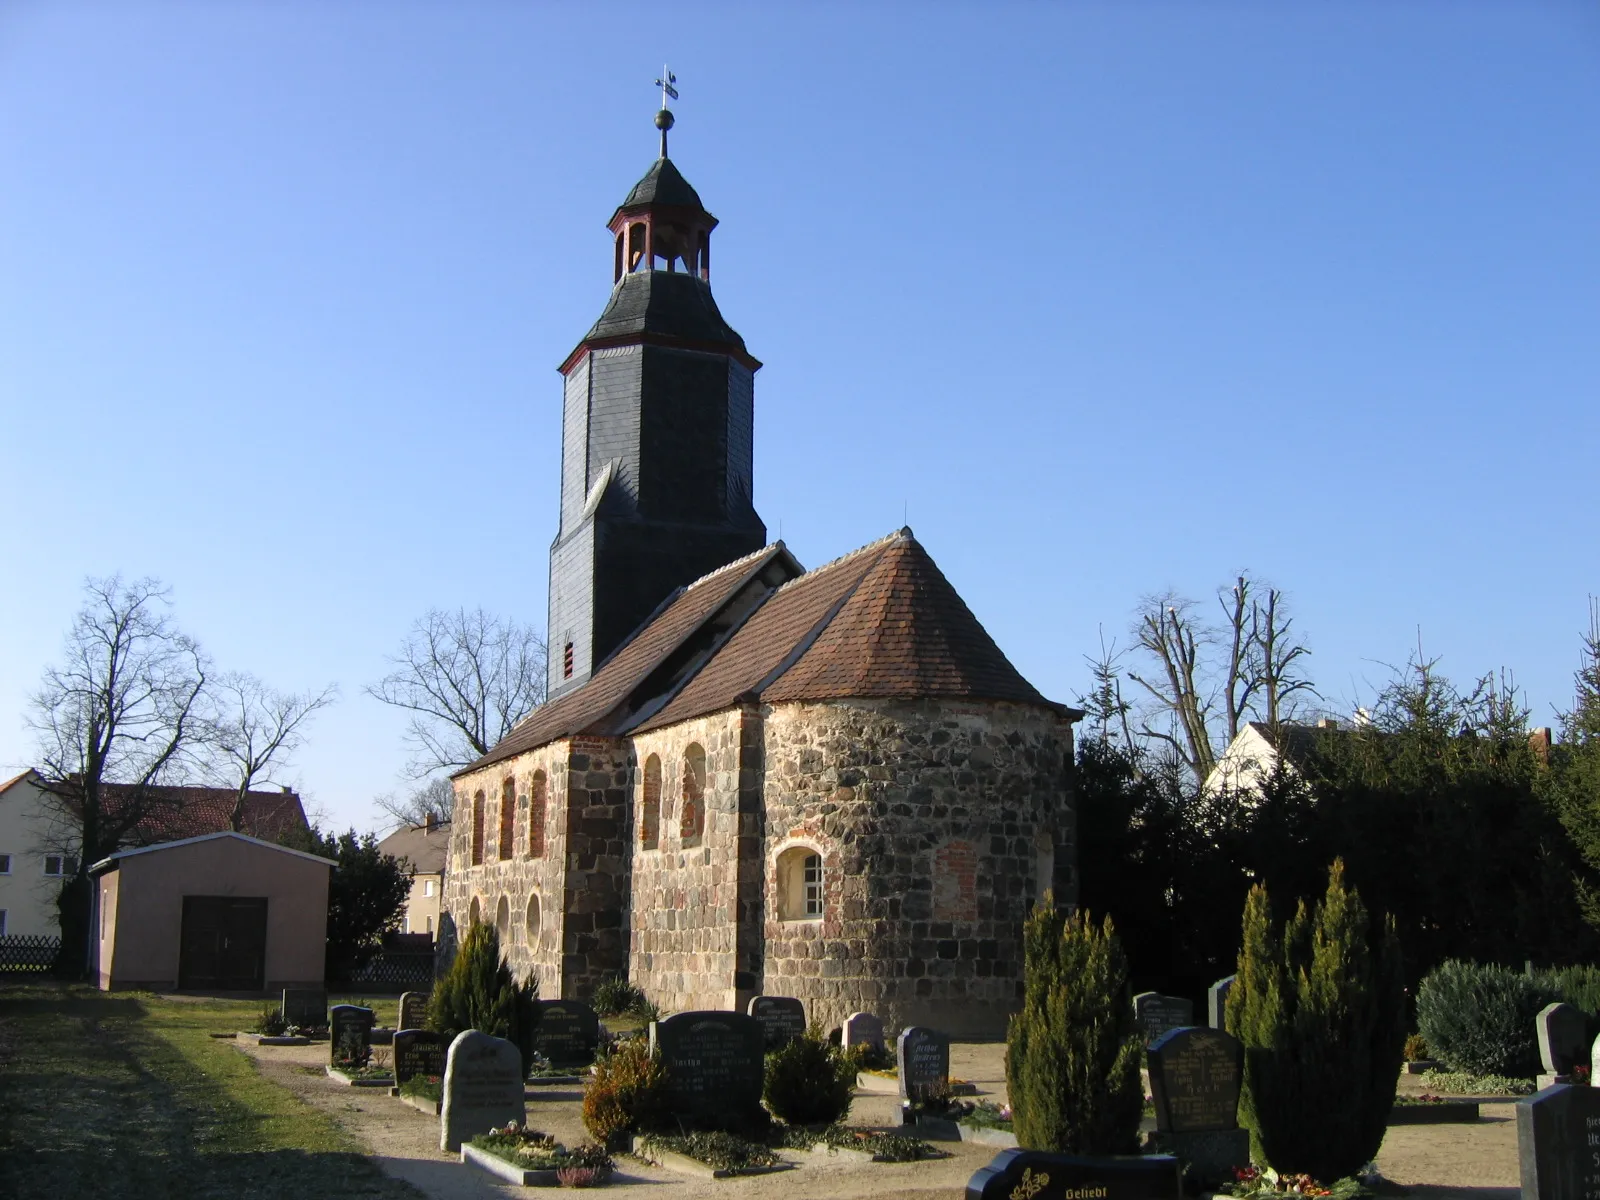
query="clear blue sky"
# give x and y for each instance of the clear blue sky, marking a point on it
(1107, 297)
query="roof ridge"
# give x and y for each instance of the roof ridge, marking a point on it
(748, 558)
(886, 540)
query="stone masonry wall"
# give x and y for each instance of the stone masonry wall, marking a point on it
(934, 821)
(521, 877)
(598, 819)
(684, 938)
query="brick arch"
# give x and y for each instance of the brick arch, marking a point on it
(538, 807)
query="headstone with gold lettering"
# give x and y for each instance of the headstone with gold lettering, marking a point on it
(1037, 1175)
(1195, 1077)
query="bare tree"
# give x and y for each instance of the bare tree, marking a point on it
(121, 708)
(436, 797)
(255, 728)
(1171, 634)
(467, 678)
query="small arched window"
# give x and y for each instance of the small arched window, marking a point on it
(636, 245)
(502, 921)
(650, 805)
(692, 818)
(617, 272)
(799, 884)
(508, 818)
(533, 925)
(536, 811)
(474, 914)
(477, 829)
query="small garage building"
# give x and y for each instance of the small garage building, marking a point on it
(218, 913)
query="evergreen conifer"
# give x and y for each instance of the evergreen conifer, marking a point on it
(1320, 1008)
(1073, 1052)
(478, 992)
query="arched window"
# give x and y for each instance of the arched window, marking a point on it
(650, 805)
(1044, 866)
(533, 925)
(477, 829)
(692, 818)
(502, 921)
(508, 817)
(617, 272)
(474, 914)
(799, 884)
(536, 809)
(636, 246)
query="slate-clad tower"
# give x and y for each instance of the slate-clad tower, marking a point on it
(656, 436)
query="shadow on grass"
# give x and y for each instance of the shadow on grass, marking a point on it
(147, 1172)
(101, 1008)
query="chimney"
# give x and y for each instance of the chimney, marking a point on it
(431, 821)
(1327, 723)
(1539, 743)
(287, 790)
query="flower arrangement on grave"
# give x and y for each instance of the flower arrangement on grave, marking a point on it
(533, 1150)
(720, 1151)
(984, 1115)
(269, 1022)
(810, 1080)
(1263, 1183)
(1580, 1075)
(424, 1087)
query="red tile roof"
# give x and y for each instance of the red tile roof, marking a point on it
(185, 812)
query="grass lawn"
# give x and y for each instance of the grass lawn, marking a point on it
(126, 1095)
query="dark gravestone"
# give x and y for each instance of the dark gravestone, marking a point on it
(1158, 1014)
(349, 1035)
(1037, 1175)
(418, 1052)
(1563, 1032)
(1195, 1076)
(413, 1010)
(1558, 1143)
(483, 1088)
(306, 1008)
(862, 1029)
(923, 1056)
(783, 1018)
(1217, 1003)
(715, 1064)
(568, 1033)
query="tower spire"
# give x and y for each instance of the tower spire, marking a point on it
(664, 118)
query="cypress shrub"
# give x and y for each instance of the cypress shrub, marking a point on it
(1479, 1017)
(810, 1080)
(478, 992)
(1073, 1052)
(1320, 1008)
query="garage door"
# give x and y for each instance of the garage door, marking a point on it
(224, 943)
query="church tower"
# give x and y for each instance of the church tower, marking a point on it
(656, 437)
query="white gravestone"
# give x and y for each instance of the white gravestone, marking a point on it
(483, 1088)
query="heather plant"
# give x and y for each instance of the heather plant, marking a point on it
(1073, 1051)
(1319, 1004)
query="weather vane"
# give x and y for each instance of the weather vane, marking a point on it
(664, 118)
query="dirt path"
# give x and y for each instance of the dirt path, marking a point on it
(1439, 1162)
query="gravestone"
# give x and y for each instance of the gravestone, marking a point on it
(413, 1010)
(349, 1035)
(305, 1007)
(1563, 1032)
(923, 1056)
(1038, 1175)
(862, 1029)
(444, 946)
(1195, 1076)
(1157, 1014)
(1557, 1132)
(483, 1088)
(418, 1052)
(1217, 1003)
(568, 1033)
(715, 1063)
(783, 1018)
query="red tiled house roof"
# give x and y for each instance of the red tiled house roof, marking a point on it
(174, 813)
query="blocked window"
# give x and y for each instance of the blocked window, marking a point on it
(537, 805)
(474, 914)
(60, 865)
(692, 817)
(502, 921)
(533, 925)
(5, 864)
(799, 884)
(566, 661)
(955, 882)
(650, 805)
(477, 829)
(508, 818)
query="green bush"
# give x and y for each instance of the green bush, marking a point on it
(270, 1022)
(1578, 986)
(478, 992)
(627, 1092)
(1320, 1008)
(614, 996)
(810, 1080)
(1479, 1017)
(1073, 1052)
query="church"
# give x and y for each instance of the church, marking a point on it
(749, 777)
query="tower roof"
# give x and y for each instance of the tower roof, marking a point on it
(671, 304)
(663, 183)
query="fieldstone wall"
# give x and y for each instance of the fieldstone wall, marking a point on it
(598, 817)
(521, 877)
(685, 937)
(936, 823)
